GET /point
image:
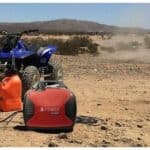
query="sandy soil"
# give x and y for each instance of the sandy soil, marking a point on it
(113, 99)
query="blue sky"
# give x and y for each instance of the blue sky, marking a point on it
(111, 14)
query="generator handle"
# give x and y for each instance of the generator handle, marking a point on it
(41, 85)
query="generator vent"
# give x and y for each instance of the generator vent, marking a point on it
(71, 108)
(28, 109)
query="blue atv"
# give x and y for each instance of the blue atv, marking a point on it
(31, 65)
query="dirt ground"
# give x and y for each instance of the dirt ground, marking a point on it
(113, 102)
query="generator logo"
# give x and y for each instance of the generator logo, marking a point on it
(51, 110)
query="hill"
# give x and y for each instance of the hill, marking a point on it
(68, 25)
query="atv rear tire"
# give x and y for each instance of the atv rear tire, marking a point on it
(30, 76)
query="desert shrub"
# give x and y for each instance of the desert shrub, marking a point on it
(128, 46)
(107, 49)
(84, 41)
(147, 41)
(81, 41)
(93, 48)
(34, 43)
(73, 46)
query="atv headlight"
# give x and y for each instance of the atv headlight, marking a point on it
(43, 60)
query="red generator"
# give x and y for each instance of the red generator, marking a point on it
(49, 105)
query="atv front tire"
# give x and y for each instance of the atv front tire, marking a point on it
(57, 73)
(30, 76)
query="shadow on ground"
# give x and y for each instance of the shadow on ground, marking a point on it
(48, 131)
(80, 119)
(88, 120)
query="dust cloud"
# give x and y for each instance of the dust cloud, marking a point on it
(141, 54)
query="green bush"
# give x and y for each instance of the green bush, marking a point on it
(73, 46)
(147, 41)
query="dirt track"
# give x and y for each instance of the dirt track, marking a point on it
(113, 106)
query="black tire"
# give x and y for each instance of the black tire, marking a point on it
(30, 76)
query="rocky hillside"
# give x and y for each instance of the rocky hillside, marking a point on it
(68, 25)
